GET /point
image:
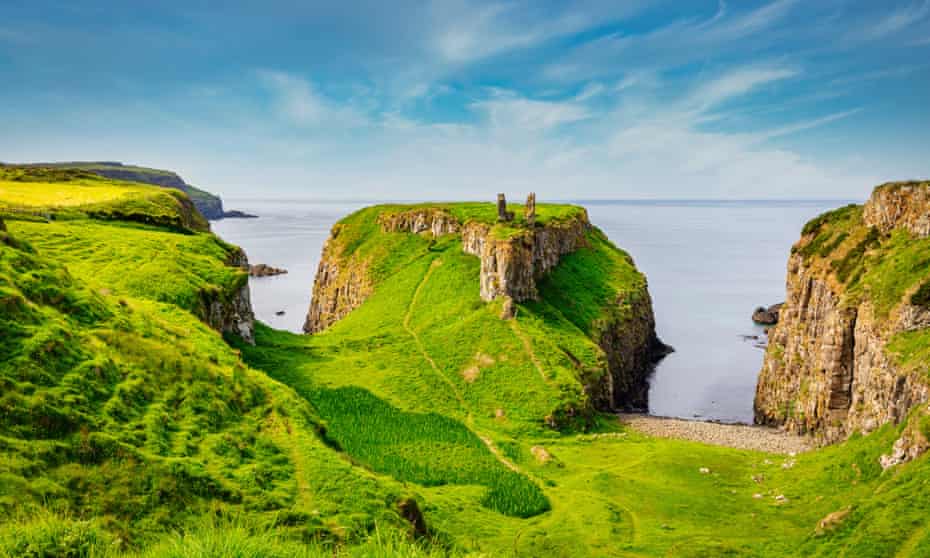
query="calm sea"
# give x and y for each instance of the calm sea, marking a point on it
(709, 264)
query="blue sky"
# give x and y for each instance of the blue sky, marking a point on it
(464, 98)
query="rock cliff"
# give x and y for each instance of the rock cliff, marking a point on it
(229, 310)
(511, 260)
(834, 365)
(340, 286)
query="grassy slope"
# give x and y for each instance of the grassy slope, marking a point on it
(203, 199)
(120, 408)
(218, 435)
(75, 194)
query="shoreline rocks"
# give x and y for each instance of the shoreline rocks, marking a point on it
(262, 270)
(767, 316)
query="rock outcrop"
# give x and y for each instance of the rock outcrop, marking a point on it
(263, 270)
(510, 264)
(827, 370)
(230, 310)
(900, 205)
(767, 316)
(340, 286)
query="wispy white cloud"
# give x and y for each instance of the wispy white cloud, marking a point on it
(465, 30)
(590, 91)
(808, 124)
(897, 20)
(677, 43)
(298, 101)
(736, 83)
(513, 113)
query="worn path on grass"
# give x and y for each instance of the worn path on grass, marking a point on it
(416, 294)
(741, 436)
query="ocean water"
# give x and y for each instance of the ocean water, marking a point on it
(709, 264)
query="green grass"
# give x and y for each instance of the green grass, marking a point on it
(187, 270)
(428, 449)
(74, 194)
(887, 270)
(129, 411)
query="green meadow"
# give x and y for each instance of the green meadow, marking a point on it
(417, 426)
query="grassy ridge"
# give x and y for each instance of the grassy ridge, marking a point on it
(72, 194)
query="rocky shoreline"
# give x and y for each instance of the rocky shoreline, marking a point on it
(740, 436)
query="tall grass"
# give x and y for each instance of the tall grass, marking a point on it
(428, 449)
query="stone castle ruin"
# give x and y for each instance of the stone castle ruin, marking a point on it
(529, 211)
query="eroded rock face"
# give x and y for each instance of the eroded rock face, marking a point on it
(903, 205)
(340, 287)
(632, 349)
(231, 312)
(826, 370)
(510, 266)
(432, 220)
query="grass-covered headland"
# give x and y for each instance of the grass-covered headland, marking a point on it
(414, 426)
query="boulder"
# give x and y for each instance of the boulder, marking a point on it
(767, 316)
(262, 270)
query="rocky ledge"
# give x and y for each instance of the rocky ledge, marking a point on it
(829, 369)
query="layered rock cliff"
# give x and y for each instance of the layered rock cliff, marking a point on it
(513, 259)
(834, 364)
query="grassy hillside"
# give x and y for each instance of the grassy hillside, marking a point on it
(209, 205)
(123, 417)
(128, 428)
(72, 194)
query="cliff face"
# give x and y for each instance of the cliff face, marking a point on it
(511, 261)
(632, 348)
(852, 277)
(340, 286)
(230, 310)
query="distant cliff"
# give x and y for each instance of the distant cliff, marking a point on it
(516, 265)
(852, 346)
(209, 205)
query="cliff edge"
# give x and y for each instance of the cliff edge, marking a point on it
(851, 349)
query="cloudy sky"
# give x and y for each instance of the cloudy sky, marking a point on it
(464, 98)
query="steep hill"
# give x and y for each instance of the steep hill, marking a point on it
(583, 316)
(851, 350)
